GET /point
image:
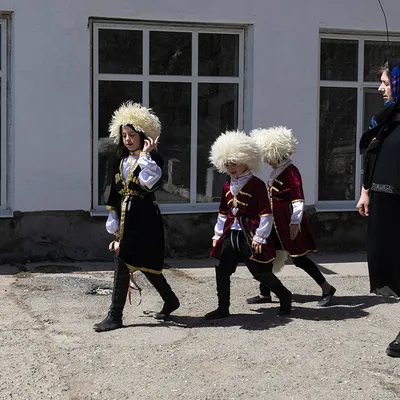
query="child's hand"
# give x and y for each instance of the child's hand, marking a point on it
(294, 230)
(150, 144)
(116, 248)
(215, 242)
(256, 246)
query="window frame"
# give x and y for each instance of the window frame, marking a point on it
(4, 129)
(361, 86)
(195, 29)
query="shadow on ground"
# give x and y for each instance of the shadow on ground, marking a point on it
(345, 307)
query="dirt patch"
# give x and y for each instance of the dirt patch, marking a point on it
(48, 349)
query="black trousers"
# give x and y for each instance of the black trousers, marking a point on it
(235, 249)
(307, 265)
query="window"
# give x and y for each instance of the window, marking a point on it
(3, 111)
(348, 98)
(192, 77)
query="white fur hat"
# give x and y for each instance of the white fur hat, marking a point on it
(235, 147)
(141, 118)
(276, 143)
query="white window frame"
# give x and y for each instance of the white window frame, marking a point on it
(360, 85)
(4, 162)
(178, 208)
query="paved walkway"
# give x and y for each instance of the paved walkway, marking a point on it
(48, 349)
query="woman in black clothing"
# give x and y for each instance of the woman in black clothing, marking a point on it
(134, 216)
(380, 194)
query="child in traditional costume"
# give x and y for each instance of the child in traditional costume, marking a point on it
(292, 231)
(134, 216)
(244, 221)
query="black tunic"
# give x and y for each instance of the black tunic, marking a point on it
(382, 178)
(141, 226)
(386, 175)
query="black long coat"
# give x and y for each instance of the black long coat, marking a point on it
(141, 227)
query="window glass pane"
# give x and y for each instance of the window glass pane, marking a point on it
(373, 102)
(217, 112)
(339, 60)
(120, 51)
(218, 54)
(172, 104)
(170, 53)
(375, 54)
(111, 96)
(337, 144)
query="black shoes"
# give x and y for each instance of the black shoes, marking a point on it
(217, 314)
(326, 299)
(285, 304)
(167, 309)
(108, 324)
(259, 299)
(393, 350)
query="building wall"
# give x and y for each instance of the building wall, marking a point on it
(50, 126)
(75, 235)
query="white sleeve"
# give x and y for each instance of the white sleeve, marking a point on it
(219, 226)
(297, 214)
(112, 224)
(264, 229)
(150, 172)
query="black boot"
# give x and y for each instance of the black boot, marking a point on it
(393, 350)
(171, 302)
(263, 297)
(224, 294)
(259, 299)
(276, 286)
(120, 290)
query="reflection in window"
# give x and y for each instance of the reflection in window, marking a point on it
(375, 54)
(218, 111)
(373, 102)
(339, 125)
(111, 96)
(170, 53)
(218, 54)
(120, 51)
(337, 143)
(172, 104)
(339, 60)
(152, 64)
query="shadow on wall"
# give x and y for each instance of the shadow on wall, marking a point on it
(189, 235)
(53, 236)
(76, 236)
(339, 231)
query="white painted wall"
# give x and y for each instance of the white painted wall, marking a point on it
(51, 79)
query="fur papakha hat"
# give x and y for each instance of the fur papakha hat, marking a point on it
(235, 147)
(141, 118)
(276, 143)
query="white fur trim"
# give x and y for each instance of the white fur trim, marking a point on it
(279, 262)
(235, 147)
(141, 118)
(276, 143)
